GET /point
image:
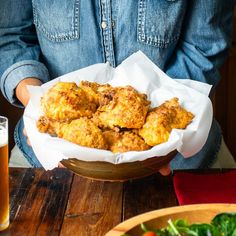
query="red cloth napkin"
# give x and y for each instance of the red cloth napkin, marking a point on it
(194, 188)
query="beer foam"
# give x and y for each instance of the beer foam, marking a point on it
(3, 136)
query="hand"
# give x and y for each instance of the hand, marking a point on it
(60, 165)
(22, 94)
(26, 136)
(165, 170)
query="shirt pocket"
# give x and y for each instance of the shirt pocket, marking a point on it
(160, 21)
(58, 20)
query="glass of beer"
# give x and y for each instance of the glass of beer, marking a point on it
(4, 178)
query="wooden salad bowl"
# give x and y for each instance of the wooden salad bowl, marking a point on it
(198, 213)
(106, 171)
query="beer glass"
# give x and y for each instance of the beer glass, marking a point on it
(4, 181)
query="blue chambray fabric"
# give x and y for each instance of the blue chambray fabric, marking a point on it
(48, 38)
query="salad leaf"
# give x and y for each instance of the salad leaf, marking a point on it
(226, 223)
(205, 230)
(223, 224)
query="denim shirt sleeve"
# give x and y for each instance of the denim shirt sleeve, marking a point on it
(19, 49)
(204, 42)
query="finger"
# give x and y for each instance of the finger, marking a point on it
(165, 170)
(24, 132)
(60, 165)
(28, 142)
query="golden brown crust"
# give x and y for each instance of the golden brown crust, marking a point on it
(65, 101)
(124, 141)
(94, 90)
(122, 107)
(78, 114)
(182, 116)
(161, 120)
(84, 132)
(46, 125)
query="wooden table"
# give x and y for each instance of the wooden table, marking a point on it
(58, 202)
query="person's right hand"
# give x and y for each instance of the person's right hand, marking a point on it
(23, 96)
(22, 92)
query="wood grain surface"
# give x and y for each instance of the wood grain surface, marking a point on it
(153, 192)
(94, 207)
(38, 201)
(60, 203)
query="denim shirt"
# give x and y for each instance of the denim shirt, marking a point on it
(48, 38)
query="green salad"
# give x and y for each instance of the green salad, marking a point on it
(223, 224)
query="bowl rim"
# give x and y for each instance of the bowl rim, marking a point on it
(132, 222)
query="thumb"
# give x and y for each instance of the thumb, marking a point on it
(25, 134)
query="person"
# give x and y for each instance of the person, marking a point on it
(41, 40)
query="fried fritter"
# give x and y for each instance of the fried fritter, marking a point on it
(122, 107)
(94, 91)
(65, 101)
(182, 117)
(78, 113)
(46, 125)
(161, 120)
(124, 141)
(84, 132)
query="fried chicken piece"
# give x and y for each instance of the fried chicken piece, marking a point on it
(46, 125)
(182, 117)
(84, 132)
(65, 101)
(122, 107)
(124, 141)
(161, 120)
(94, 91)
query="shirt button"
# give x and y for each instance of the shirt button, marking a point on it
(104, 25)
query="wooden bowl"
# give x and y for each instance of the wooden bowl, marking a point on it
(198, 213)
(106, 171)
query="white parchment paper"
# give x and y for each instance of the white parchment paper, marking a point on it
(141, 73)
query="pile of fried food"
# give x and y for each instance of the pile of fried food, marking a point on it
(118, 119)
